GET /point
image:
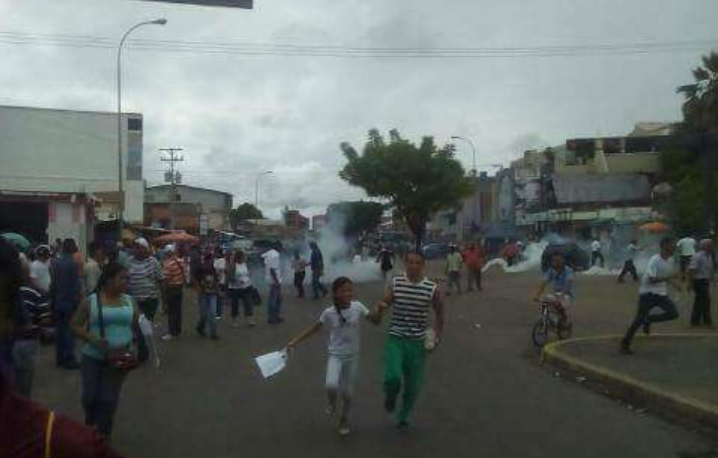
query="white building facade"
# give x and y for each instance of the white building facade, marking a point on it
(68, 161)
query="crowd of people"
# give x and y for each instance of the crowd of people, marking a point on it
(109, 303)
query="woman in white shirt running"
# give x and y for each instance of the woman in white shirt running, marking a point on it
(343, 320)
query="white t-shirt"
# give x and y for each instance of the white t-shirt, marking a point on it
(631, 251)
(344, 335)
(657, 267)
(686, 246)
(40, 274)
(595, 245)
(220, 266)
(271, 261)
(241, 278)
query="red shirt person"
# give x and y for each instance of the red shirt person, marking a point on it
(474, 260)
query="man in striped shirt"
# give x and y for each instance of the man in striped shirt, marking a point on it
(146, 281)
(411, 295)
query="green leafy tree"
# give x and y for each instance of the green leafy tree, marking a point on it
(700, 109)
(244, 212)
(355, 217)
(688, 172)
(417, 180)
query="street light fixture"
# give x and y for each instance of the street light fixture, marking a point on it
(120, 186)
(256, 187)
(473, 152)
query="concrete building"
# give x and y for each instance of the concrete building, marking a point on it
(318, 222)
(294, 220)
(61, 167)
(194, 209)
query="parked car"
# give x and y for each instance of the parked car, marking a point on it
(575, 256)
(435, 250)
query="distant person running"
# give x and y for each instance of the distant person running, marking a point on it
(342, 320)
(659, 273)
(411, 295)
(629, 265)
(596, 253)
(386, 259)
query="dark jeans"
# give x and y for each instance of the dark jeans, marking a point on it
(318, 289)
(454, 281)
(299, 282)
(149, 308)
(474, 277)
(207, 313)
(174, 310)
(101, 386)
(702, 304)
(64, 340)
(245, 295)
(220, 303)
(274, 303)
(646, 303)
(595, 256)
(23, 353)
(628, 268)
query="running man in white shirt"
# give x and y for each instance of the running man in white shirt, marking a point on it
(660, 272)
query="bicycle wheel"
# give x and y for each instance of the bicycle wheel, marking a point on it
(539, 333)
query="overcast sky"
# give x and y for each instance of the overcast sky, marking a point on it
(238, 115)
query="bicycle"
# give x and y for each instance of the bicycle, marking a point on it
(552, 318)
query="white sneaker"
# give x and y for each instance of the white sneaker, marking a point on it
(167, 337)
(330, 410)
(343, 428)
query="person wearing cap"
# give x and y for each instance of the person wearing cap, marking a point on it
(701, 271)
(173, 268)
(146, 281)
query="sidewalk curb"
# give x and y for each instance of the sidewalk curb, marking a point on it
(631, 389)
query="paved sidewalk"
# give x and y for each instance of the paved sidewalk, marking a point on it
(678, 373)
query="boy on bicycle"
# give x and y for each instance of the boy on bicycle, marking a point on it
(560, 277)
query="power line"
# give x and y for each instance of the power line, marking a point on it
(336, 51)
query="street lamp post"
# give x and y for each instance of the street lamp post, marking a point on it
(473, 152)
(256, 187)
(120, 185)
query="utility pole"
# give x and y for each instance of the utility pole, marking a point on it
(172, 177)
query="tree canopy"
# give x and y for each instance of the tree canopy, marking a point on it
(691, 173)
(417, 180)
(355, 217)
(244, 212)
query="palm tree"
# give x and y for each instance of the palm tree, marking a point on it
(700, 110)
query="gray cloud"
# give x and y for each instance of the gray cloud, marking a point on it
(238, 115)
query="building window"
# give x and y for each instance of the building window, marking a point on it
(134, 124)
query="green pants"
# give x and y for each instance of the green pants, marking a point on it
(403, 362)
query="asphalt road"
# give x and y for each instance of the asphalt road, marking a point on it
(485, 395)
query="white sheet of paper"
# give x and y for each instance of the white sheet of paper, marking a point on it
(272, 363)
(145, 325)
